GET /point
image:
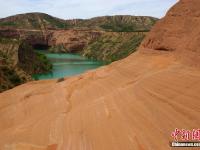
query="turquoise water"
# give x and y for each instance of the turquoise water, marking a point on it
(67, 65)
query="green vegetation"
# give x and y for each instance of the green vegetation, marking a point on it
(57, 23)
(9, 78)
(9, 75)
(43, 21)
(115, 23)
(122, 28)
(116, 38)
(113, 46)
(9, 23)
(33, 21)
(31, 61)
(46, 65)
(8, 41)
(118, 28)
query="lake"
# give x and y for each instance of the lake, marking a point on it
(65, 65)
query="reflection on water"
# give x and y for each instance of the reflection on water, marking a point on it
(67, 65)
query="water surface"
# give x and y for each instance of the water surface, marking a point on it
(67, 65)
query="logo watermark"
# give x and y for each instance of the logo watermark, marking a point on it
(186, 138)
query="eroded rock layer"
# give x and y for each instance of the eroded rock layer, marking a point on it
(18, 61)
(179, 32)
(131, 104)
(43, 32)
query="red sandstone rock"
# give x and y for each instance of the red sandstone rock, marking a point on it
(131, 104)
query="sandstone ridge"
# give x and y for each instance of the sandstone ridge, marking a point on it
(134, 103)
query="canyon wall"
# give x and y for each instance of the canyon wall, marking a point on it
(11, 74)
(94, 44)
(135, 103)
(71, 41)
(98, 45)
(41, 31)
(118, 23)
(18, 60)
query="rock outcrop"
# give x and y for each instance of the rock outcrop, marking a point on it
(39, 21)
(79, 36)
(178, 32)
(41, 31)
(134, 103)
(11, 74)
(31, 37)
(98, 45)
(71, 41)
(18, 61)
(119, 23)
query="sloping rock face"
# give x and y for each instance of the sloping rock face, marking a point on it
(117, 23)
(71, 40)
(10, 73)
(32, 37)
(42, 31)
(131, 104)
(23, 47)
(94, 44)
(39, 21)
(178, 32)
(18, 60)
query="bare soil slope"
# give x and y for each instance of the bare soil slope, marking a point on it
(132, 104)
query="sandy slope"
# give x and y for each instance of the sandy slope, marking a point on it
(132, 104)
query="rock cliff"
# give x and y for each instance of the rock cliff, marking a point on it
(71, 41)
(18, 61)
(11, 74)
(134, 103)
(44, 31)
(98, 45)
(39, 21)
(86, 37)
(178, 32)
(119, 23)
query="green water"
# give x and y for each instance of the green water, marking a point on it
(67, 65)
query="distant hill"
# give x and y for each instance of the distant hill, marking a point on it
(115, 23)
(108, 23)
(21, 34)
(32, 21)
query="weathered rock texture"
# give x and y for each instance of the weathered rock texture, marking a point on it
(71, 41)
(18, 62)
(41, 31)
(179, 32)
(119, 23)
(11, 74)
(79, 36)
(99, 45)
(41, 21)
(131, 104)
(113, 46)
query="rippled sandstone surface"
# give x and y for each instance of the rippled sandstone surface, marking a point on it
(131, 104)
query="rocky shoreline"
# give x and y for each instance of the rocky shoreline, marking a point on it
(41, 31)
